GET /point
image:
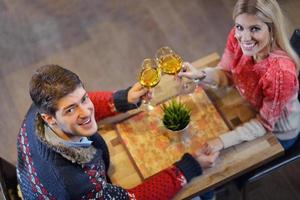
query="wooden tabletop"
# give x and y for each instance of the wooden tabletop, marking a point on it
(232, 162)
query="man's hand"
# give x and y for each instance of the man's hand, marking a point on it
(205, 157)
(135, 93)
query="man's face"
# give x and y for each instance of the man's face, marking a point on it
(75, 115)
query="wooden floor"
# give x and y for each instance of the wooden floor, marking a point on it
(105, 43)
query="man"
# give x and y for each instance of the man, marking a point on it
(61, 155)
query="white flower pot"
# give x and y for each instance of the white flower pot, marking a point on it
(180, 135)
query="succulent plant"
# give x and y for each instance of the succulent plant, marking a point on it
(176, 115)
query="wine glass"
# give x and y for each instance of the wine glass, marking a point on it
(169, 62)
(149, 77)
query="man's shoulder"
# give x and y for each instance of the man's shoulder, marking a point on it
(30, 116)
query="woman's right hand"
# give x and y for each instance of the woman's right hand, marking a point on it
(190, 72)
(206, 158)
(214, 145)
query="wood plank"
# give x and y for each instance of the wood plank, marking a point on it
(122, 171)
(154, 148)
(233, 162)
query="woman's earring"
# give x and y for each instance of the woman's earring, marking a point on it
(272, 42)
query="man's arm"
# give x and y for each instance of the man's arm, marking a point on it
(168, 182)
(103, 103)
(110, 103)
(163, 185)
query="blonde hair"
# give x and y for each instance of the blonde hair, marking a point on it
(269, 12)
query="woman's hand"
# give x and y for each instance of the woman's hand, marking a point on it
(189, 71)
(214, 145)
(206, 158)
(136, 92)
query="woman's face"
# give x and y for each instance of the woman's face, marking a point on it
(253, 36)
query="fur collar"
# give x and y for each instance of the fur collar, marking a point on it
(74, 154)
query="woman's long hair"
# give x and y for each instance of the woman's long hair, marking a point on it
(269, 12)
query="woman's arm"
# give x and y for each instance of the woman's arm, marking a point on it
(246, 132)
(213, 76)
(216, 76)
(219, 75)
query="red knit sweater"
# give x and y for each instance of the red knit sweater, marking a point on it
(268, 85)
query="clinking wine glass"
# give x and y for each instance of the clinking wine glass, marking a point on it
(149, 78)
(169, 62)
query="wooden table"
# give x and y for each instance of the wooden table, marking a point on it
(233, 161)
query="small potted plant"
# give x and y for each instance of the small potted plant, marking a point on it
(176, 117)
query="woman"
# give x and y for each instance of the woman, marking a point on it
(259, 61)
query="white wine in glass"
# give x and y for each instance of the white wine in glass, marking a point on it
(168, 60)
(149, 76)
(170, 63)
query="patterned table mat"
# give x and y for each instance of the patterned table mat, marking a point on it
(153, 148)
